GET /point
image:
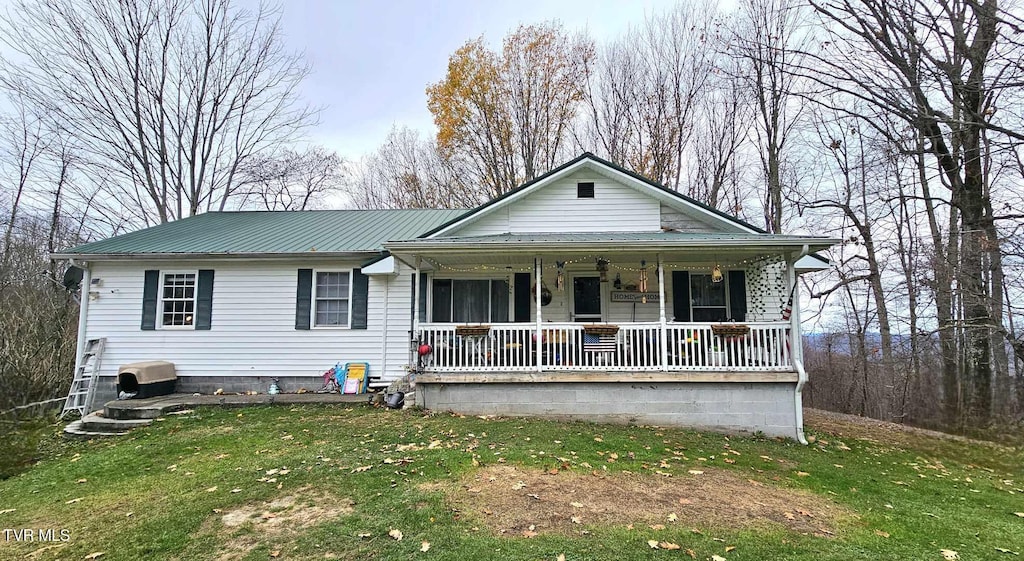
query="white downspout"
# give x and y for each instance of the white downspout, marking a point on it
(796, 346)
(83, 310)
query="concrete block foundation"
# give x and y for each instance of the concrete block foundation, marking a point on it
(766, 407)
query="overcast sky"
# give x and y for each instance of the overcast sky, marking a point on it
(372, 60)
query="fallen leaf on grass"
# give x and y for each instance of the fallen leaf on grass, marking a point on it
(397, 534)
(561, 557)
(576, 520)
(7, 510)
(236, 490)
(696, 472)
(364, 535)
(691, 553)
(1020, 514)
(96, 555)
(361, 469)
(574, 505)
(717, 558)
(1004, 550)
(672, 517)
(729, 548)
(653, 544)
(73, 501)
(949, 554)
(276, 553)
(881, 533)
(529, 534)
(802, 474)
(657, 526)
(211, 489)
(82, 480)
(669, 545)
(425, 547)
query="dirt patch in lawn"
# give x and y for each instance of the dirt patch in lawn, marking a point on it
(238, 531)
(517, 501)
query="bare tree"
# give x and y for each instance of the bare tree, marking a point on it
(646, 89)
(165, 99)
(406, 172)
(293, 180)
(943, 69)
(768, 38)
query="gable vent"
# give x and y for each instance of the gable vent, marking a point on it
(585, 190)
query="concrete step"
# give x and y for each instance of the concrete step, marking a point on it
(77, 430)
(98, 423)
(127, 410)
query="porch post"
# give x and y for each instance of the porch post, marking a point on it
(661, 315)
(795, 353)
(416, 302)
(537, 272)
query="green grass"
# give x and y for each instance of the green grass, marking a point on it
(147, 495)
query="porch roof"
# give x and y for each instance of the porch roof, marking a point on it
(534, 243)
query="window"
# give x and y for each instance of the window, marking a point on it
(470, 300)
(707, 299)
(331, 299)
(585, 190)
(178, 300)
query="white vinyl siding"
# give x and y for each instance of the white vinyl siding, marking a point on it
(556, 208)
(254, 314)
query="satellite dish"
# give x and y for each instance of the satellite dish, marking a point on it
(73, 278)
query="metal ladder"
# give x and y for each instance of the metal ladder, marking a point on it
(82, 387)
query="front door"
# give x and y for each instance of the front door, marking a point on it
(586, 299)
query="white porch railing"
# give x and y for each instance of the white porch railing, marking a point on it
(635, 347)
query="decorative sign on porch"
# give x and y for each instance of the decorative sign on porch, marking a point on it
(637, 297)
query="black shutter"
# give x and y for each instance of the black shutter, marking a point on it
(441, 311)
(150, 290)
(303, 295)
(423, 297)
(681, 295)
(204, 299)
(738, 295)
(360, 298)
(523, 301)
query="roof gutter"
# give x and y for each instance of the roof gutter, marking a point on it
(186, 256)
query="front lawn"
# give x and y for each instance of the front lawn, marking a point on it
(363, 483)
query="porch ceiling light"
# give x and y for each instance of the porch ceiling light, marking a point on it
(716, 273)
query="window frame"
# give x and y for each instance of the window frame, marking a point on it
(490, 297)
(159, 323)
(313, 300)
(725, 290)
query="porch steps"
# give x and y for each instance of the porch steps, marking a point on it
(95, 425)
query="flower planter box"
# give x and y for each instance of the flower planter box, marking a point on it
(601, 329)
(472, 330)
(730, 330)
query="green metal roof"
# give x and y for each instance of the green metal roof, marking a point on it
(263, 233)
(703, 238)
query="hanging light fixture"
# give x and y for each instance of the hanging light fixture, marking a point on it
(560, 276)
(602, 267)
(716, 273)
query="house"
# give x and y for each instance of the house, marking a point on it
(589, 292)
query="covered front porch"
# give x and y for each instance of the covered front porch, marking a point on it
(652, 306)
